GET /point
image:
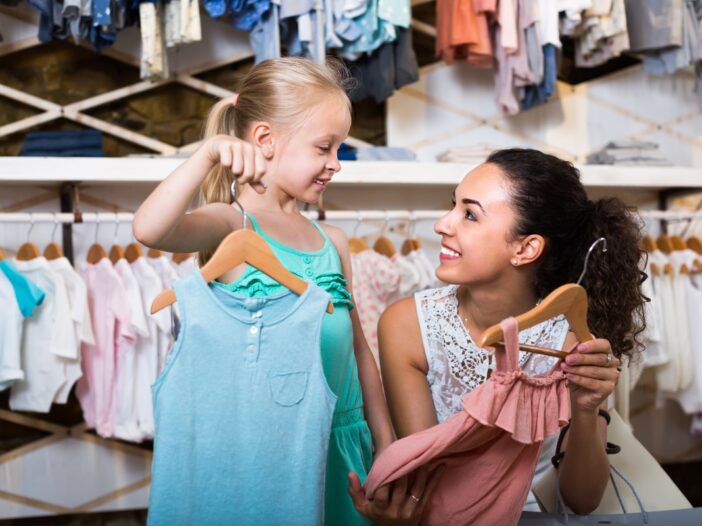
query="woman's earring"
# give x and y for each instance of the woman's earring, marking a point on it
(514, 262)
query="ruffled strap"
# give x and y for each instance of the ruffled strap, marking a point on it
(528, 408)
(335, 284)
(255, 283)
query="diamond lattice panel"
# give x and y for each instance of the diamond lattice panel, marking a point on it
(658, 99)
(576, 122)
(75, 472)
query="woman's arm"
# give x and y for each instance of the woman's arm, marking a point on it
(162, 222)
(404, 369)
(376, 410)
(584, 470)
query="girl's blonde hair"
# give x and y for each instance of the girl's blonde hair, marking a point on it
(279, 91)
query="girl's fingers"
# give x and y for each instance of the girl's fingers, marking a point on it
(237, 161)
(399, 492)
(381, 498)
(225, 155)
(358, 496)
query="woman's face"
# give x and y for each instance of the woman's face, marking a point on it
(476, 235)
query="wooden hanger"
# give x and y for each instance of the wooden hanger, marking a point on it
(665, 244)
(96, 252)
(383, 245)
(28, 251)
(179, 257)
(242, 246)
(569, 299)
(132, 252)
(411, 243)
(694, 243)
(2, 255)
(116, 253)
(357, 244)
(648, 244)
(154, 253)
(53, 251)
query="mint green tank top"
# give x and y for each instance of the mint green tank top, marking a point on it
(323, 267)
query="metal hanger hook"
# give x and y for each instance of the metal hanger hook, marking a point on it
(359, 221)
(31, 225)
(97, 227)
(385, 224)
(587, 256)
(412, 225)
(234, 199)
(116, 229)
(53, 231)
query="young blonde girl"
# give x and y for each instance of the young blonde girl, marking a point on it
(278, 138)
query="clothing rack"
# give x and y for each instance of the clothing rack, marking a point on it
(126, 217)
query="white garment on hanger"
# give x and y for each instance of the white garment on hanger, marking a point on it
(168, 276)
(78, 299)
(410, 278)
(656, 352)
(185, 267)
(49, 338)
(548, 22)
(147, 347)
(126, 425)
(677, 373)
(10, 335)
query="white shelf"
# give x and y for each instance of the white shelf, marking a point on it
(22, 170)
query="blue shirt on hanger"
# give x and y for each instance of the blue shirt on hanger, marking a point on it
(27, 293)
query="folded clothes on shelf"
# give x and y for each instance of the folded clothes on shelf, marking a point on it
(629, 153)
(385, 153)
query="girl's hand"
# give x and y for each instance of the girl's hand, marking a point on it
(246, 161)
(396, 504)
(592, 372)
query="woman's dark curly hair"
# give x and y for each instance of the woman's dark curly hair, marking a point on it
(550, 201)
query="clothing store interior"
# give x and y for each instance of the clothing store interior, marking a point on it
(503, 324)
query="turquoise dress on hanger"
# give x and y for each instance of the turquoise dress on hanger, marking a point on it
(350, 444)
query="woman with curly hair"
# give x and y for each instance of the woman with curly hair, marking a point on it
(520, 227)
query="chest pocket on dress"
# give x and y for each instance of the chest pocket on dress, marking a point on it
(288, 388)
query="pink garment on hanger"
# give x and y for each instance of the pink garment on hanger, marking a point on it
(489, 450)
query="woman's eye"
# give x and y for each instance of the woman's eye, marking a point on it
(324, 149)
(470, 216)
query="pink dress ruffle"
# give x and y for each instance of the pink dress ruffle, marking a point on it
(489, 450)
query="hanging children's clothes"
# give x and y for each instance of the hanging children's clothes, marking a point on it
(126, 425)
(111, 318)
(489, 450)
(49, 339)
(10, 335)
(375, 278)
(18, 299)
(28, 294)
(148, 348)
(243, 411)
(78, 300)
(350, 446)
(168, 276)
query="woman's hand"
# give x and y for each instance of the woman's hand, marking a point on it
(396, 504)
(246, 161)
(592, 372)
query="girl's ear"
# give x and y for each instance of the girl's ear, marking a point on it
(262, 135)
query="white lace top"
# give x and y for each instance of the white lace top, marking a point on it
(456, 364)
